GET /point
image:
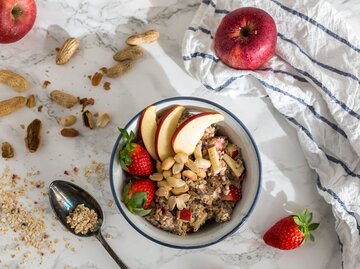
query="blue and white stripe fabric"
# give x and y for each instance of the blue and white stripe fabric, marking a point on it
(313, 81)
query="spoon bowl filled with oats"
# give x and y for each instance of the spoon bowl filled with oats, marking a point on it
(79, 212)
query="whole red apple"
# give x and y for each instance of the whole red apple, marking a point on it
(17, 17)
(246, 38)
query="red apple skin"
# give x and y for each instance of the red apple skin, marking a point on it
(185, 215)
(246, 38)
(184, 123)
(162, 119)
(17, 17)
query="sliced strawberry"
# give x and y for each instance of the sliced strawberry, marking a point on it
(185, 215)
(138, 195)
(233, 195)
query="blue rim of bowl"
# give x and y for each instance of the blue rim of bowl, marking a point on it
(117, 202)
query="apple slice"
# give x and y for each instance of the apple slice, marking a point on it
(148, 128)
(236, 168)
(165, 130)
(185, 215)
(189, 133)
(214, 159)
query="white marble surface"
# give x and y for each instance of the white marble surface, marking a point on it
(102, 26)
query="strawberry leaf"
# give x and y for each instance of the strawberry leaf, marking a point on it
(137, 201)
(125, 194)
(312, 238)
(313, 226)
(141, 212)
(298, 221)
(124, 133)
(308, 217)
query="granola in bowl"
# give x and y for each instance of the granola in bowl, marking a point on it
(191, 172)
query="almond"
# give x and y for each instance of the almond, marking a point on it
(103, 120)
(69, 132)
(67, 51)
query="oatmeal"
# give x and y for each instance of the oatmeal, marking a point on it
(82, 219)
(212, 193)
(198, 177)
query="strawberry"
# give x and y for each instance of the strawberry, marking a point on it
(233, 195)
(138, 195)
(291, 232)
(134, 158)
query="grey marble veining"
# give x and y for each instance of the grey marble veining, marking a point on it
(102, 27)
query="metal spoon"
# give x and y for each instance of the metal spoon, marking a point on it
(64, 197)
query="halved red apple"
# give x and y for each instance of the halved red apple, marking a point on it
(189, 133)
(165, 130)
(148, 128)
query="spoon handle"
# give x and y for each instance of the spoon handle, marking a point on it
(110, 251)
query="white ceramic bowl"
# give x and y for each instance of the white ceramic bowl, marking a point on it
(213, 232)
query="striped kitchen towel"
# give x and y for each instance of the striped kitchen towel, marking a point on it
(313, 81)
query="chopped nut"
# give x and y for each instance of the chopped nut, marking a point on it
(107, 85)
(156, 177)
(30, 102)
(181, 201)
(103, 120)
(180, 190)
(162, 183)
(198, 152)
(163, 191)
(96, 79)
(178, 175)
(158, 167)
(7, 150)
(88, 119)
(104, 70)
(181, 157)
(46, 83)
(177, 168)
(202, 163)
(192, 166)
(86, 102)
(67, 120)
(172, 202)
(167, 163)
(40, 108)
(167, 173)
(189, 174)
(175, 182)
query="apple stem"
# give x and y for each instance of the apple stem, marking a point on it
(16, 12)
